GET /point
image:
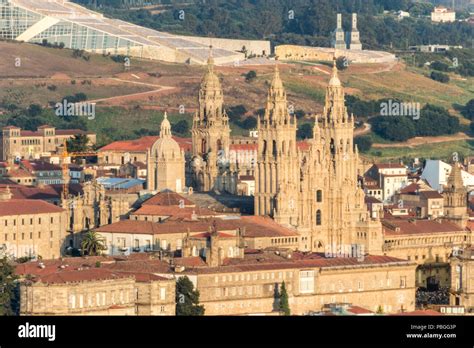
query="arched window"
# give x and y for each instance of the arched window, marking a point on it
(264, 147)
(318, 217)
(203, 146)
(283, 149)
(333, 147)
(319, 196)
(274, 149)
(194, 251)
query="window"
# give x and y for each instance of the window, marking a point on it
(162, 294)
(306, 282)
(319, 196)
(318, 217)
(403, 282)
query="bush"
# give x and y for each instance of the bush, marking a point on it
(364, 143)
(440, 77)
(468, 110)
(236, 112)
(342, 63)
(440, 66)
(250, 76)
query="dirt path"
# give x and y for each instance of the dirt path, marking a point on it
(364, 130)
(115, 100)
(417, 141)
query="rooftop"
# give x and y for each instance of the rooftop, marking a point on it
(27, 207)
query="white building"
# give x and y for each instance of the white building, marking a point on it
(436, 173)
(390, 178)
(443, 14)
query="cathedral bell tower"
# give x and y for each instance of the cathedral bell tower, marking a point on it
(277, 172)
(455, 198)
(210, 131)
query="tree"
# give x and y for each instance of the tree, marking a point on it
(8, 298)
(363, 143)
(250, 76)
(92, 244)
(180, 127)
(34, 110)
(440, 77)
(468, 110)
(187, 299)
(284, 305)
(305, 131)
(249, 123)
(79, 143)
(341, 63)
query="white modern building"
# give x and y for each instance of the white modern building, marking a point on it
(61, 21)
(436, 173)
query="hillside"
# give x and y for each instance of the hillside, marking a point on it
(144, 91)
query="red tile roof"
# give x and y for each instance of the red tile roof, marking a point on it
(389, 165)
(255, 227)
(243, 147)
(27, 207)
(184, 213)
(168, 198)
(413, 226)
(428, 312)
(85, 275)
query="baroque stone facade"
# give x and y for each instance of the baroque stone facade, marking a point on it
(316, 190)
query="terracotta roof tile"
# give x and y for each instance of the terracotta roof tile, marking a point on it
(27, 207)
(168, 198)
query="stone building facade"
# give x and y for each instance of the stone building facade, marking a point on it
(93, 286)
(18, 143)
(315, 189)
(31, 228)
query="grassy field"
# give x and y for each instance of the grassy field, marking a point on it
(432, 151)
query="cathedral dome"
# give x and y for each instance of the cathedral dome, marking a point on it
(166, 146)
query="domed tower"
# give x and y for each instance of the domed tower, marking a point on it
(165, 162)
(210, 131)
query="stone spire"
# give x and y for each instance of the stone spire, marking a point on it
(211, 98)
(455, 178)
(165, 131)
(334, 109)
(276, 111)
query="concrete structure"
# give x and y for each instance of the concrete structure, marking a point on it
(59, 21)
(339, 41)
(308, 53)
(443, 14)
(354, 36)
(17, 143)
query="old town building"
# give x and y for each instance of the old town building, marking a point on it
(93, 286)
(16, 143)
(31, 228)
(462, 279)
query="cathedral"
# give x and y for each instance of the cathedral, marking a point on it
(315, 190)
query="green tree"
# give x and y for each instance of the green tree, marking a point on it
(249, 123)
(440, 77)
(181, 127)
(468, 110)
(342, 63)
(187, 299)
(284, 306)
(8, 299)
(250, 76)
(305, 131)
(363, 143)
(92, 244)
(79, 143)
